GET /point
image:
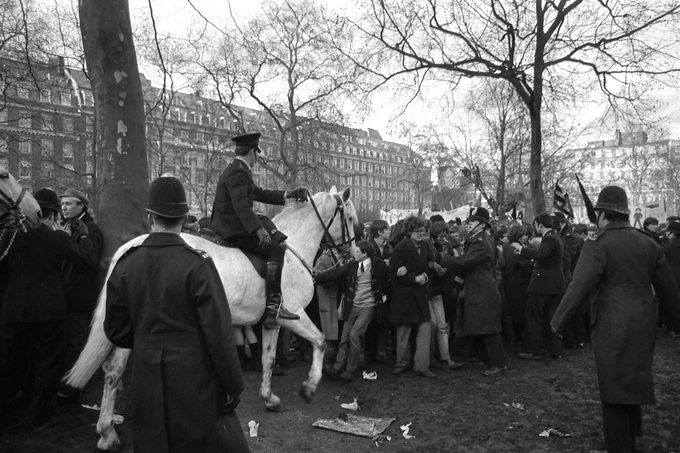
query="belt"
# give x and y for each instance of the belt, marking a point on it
(166, 339)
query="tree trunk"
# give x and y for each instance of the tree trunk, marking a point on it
(122, 165)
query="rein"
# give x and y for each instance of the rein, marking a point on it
(346, 237)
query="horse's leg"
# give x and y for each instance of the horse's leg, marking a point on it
(113, 368)
(269, 340)
(306, 329)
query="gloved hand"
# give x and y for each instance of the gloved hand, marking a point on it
(230, 405)
(299, 193)
(263, 236)
(79, 228)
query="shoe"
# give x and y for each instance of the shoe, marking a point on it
(331, 371)
(495, 371)
(479, 363)
(426, 373)
(453, 365)
(529, 356)
(398, 370)
(346, 376)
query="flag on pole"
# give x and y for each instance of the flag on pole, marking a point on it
(561, 201)
(586, 200)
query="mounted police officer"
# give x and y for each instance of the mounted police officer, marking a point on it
(620, 268)
(234, 220)
(179, 324)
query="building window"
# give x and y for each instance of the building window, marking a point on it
(24, 120)
(24, 146)
(25, 170)
(65, 98)
(45, 95)
(4, 162)
(89, 124)
(89, 167)
(67, 150)
(3, 146)
(46, 147)
(22, 92)
(47, 170)
(89, 99)
(68, 125)
(47, 123)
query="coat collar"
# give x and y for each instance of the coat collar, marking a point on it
(243, 161)
(162, 240)
(618, 224)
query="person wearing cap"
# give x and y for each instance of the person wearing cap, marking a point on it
(651, 228)
(186, 379)
(234, 220)
(545, 289)
(621, 266)
(33, 308)
(81, 283)
(483, 303)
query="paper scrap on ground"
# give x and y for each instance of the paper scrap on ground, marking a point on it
(353, 406)
(356, 424)
(405, 429)
(370, 376)
(552, 432)
(518, 406)
(253, 426)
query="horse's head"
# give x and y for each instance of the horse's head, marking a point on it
(18, 208)
(341, 225)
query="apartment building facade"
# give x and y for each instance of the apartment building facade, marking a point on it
(47, 130)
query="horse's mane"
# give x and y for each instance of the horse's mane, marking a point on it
(293, 209)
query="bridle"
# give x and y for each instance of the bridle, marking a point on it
(347, 236)
(12, 218)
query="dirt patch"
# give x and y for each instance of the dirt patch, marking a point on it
(459, 411)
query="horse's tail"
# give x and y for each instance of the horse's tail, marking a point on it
(98, 345)
(96, 349)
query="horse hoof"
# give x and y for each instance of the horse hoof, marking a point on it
(276, 408)
(306, 393)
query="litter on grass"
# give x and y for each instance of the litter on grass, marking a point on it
(552, 432)
(353, 406)
(405, 429)
(355, 424)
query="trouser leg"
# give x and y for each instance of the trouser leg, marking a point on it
(441, 328)
(421, 361)
(555, 344)
(403, 346)
(49, 354)
(534, 323)
(357, 336)
(494, 349)
(618, 421)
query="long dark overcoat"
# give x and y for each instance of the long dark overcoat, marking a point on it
(672, 251)
(409, 304)
(232, 212)
(548, 277)
(517, 271)
(621, 266)
(483, 303)
(166, 301)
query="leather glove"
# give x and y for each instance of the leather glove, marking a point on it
(230, 405)
(299, 193)
(80, 228)
(263, 236)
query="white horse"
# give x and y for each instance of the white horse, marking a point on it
(18, 210)
(326, 214)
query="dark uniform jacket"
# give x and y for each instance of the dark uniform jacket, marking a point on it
(166, 301)
(548, 277)
(672, 251)
(621, 265)
(81, 283)
(517, 271)
(483, 303)
(233, 208)
(409, 304)
(30, 276)
(572, 250)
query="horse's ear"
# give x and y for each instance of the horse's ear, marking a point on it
(345, 195)
(333, 190)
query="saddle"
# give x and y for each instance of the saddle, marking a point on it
(258, 261)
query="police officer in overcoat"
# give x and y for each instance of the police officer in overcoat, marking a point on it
(621, 266)
(165, 300)
(234, 220)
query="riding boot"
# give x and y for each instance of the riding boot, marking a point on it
(273, 308)
(255, 362)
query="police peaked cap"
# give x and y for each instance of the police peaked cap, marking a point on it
(613, 198)
(75, 193)
(47, 199)
(167, 198)
(479, 214)
(246, 142)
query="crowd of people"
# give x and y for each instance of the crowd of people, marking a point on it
(422, 295)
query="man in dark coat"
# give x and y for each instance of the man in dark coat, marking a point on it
(186, 377)
(33, 306)
(672, 250)
(545, 288)
(483, 303)
(621, 266)
(81, 283)
(409, 306)
(234, 220)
